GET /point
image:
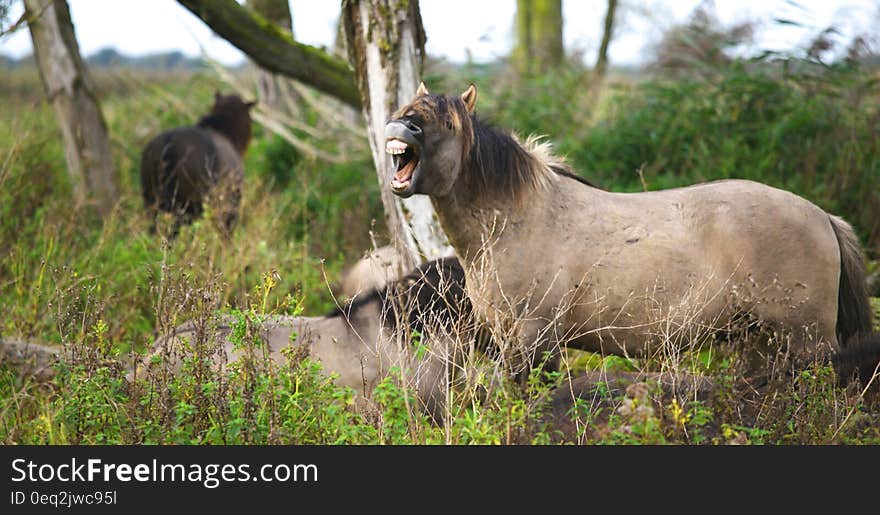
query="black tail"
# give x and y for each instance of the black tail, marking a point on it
(859, 355)
(853, 307)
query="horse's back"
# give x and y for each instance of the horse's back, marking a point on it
(763, 231)
(703, 253)
(228, 160)
(277, 333)
(735, 217)
(173, 164)
(737, 197)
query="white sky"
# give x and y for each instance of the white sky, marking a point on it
(455, 27)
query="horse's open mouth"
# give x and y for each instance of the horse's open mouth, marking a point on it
(405, 159)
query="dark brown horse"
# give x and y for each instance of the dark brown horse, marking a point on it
(184, 168)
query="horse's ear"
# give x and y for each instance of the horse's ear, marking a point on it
(422, 91)
(469, 97)
(217, 95)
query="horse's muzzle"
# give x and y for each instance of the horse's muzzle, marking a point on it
(397, 130)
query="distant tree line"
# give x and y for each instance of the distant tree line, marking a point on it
(110, 58)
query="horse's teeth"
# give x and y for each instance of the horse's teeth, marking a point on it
(395, 147)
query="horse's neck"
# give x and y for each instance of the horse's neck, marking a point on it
(472, 224)
(238, 135)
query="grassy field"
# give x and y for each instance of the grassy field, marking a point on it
(106, 288)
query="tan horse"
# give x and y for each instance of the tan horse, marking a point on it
(551, 260)
(361, 341)
(377, 268)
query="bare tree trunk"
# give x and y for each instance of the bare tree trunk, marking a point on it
(538, 36)
(602, 59)
(523, 51)
(271, 87)
(385, 41)
(546, 19)
(69, 89)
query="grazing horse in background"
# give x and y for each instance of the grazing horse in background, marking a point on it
(551, 260)
(185, 167)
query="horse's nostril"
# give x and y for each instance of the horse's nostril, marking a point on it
(415, 129)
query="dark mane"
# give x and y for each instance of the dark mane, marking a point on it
(566, 171)
(508, 166)
(498, 163)
(432, 295)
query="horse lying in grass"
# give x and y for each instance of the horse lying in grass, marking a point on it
(373, 271)
(184, 168)
(414, 324)
(551, 260)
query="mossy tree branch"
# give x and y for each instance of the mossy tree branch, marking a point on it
(276, 51)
